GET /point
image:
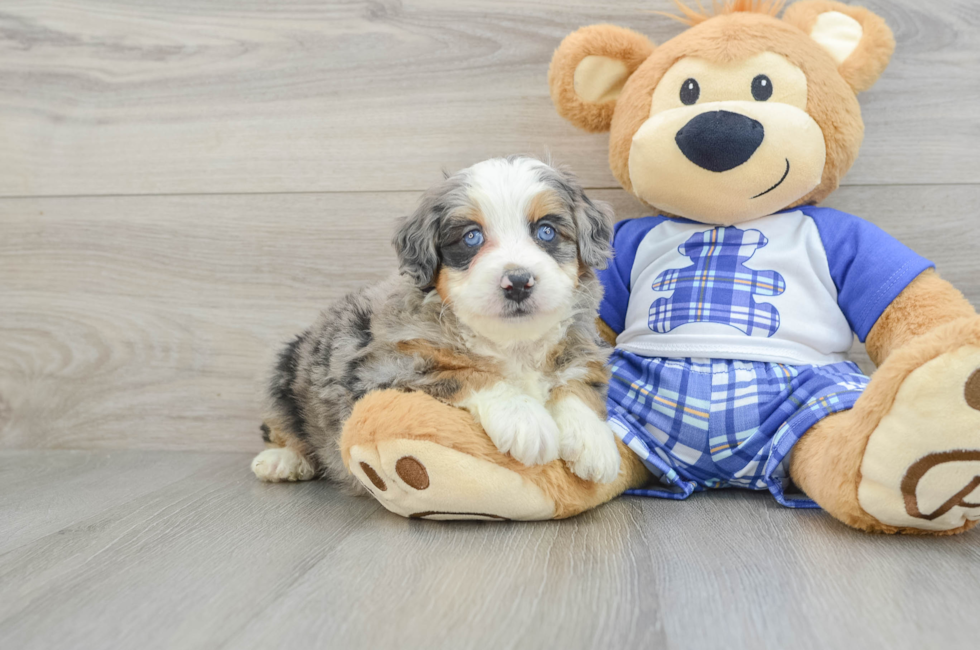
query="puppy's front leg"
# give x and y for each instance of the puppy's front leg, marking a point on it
(585, 441)
(516, 423)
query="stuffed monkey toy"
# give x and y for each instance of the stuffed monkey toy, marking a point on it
(732, 309)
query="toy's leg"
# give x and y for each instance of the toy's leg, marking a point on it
(906, 458)
(424, 459)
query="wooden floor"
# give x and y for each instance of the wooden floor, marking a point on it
(148, 550)
(185, 183)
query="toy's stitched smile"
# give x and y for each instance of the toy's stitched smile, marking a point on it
(785, 174)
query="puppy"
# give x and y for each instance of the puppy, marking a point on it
(493, 311)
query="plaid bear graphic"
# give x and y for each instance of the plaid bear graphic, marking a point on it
(718, 287)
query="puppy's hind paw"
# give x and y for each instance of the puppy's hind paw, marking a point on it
(281, 464)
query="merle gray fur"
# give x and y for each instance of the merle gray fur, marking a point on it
(352, 348)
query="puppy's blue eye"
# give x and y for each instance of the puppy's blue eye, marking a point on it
(473, 238)
(546, 233)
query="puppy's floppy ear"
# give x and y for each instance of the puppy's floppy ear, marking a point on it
(860, 41)
(417, 243)
(588, 72)
(593, 221)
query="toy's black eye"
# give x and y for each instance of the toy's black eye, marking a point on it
(690, 92)
(762, 88)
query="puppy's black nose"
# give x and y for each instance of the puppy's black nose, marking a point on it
(720, 140)
(517, 285)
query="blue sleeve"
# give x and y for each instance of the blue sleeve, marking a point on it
(869, 267)
(615, 278)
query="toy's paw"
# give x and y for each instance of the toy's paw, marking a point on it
(282, 464)
(421, 479)
(517, 424)
(921, 467)
(586, 442)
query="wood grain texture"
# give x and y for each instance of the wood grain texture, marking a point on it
(228, 168)
(151, 322)
(80, 485)
(218, 560)
(204, 96)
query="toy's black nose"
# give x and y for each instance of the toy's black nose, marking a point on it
(720, 140)
(517, 285)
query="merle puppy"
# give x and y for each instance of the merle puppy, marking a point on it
(493, 311)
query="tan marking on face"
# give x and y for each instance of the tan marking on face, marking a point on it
(471, 212)
(444, 280)
(547, 203)
(543, 204)
(448, 281)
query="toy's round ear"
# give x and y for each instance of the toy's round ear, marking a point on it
(590, 68)
(860, 41)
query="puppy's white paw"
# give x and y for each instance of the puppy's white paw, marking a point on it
(281, 464)
(517, 424)
(586, 442)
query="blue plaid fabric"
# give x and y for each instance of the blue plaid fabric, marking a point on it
(718, 287)
(720, 423)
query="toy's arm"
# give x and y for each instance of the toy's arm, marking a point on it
(926, 303)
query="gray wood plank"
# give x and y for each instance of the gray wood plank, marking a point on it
(183, 566)
(123, 97)
(45, 493)
(150, 322)
(722, 570)
(219, 560)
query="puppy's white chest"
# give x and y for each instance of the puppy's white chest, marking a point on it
(521, 368)
(532, 383)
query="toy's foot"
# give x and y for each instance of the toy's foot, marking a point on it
(424, 459)
(282, 464)
(921, 467)
(422, 479)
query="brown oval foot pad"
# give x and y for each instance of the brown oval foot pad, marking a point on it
(972, 390)
(426, 480)
(412, 472)
(373, 477)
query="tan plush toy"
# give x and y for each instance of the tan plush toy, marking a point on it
(732, 310)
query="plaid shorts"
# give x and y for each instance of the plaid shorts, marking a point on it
(700, 424)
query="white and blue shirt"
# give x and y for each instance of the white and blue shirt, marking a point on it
(787, 288)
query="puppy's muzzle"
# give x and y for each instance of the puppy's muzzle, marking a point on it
(517, 285)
